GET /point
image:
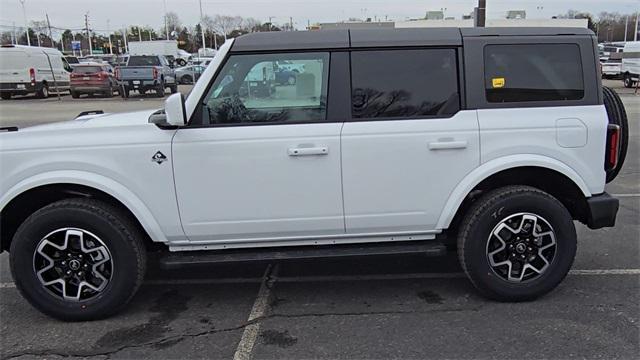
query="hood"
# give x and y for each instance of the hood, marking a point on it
(96, 120)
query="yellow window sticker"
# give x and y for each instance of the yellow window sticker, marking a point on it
(497, 82)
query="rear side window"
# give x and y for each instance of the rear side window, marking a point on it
(536, 72)
(404, 83)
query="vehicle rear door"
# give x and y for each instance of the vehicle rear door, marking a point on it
(409, 142)
(260, 161)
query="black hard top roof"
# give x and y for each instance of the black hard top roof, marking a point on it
(363, 38)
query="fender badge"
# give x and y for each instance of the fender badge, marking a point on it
(159, 158)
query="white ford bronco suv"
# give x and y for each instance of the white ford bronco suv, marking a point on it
(388, 141)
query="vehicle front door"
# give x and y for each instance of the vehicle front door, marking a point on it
(260, 160)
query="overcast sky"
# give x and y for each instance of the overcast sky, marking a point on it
(70, 13)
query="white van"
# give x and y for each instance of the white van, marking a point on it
(30, 69)
(631, 63)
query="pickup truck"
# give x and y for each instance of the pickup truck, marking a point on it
(488, 142)
(145, 73)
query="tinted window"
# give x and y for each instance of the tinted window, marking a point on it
(144, 61)
(253, 89)
(87, 69)
(404, 83)
(516, 73)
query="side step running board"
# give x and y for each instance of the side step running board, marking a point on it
(179, 259)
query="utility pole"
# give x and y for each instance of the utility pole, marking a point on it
(271, 22)
(49, 26)
(139, 34)
(109, 34)
(204, 44)
(86, 26)
(481, 14)
(26, 24)
(14, 40)
(290, 23)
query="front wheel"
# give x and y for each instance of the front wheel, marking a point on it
(78, 259)
(516, 243)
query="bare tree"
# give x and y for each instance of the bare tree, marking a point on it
(173, 21)
(250, 24)
(224, 24)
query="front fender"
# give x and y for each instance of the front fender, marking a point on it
(96, 181)
(492, 167)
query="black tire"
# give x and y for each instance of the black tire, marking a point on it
(181, 62)
(5, 96)
(174, 88)
(617, 115)
(124, 92)
(75, 94)
(628, 81)
(160, 90)
(115, 231)
(42, 92)
(108, 93)
(481, 220)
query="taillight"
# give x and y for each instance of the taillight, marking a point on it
(613, 147)
(155, 73)
(32, 76)
(102, 75)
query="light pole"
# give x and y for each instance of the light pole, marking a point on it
(109, 34)
(166, 28)
(204, 44)
(26, 25)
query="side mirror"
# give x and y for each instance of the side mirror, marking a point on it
(175, 110)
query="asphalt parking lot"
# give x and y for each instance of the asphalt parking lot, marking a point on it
(382, 307)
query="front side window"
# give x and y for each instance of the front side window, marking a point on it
(404, 83)
(535, 72)
(268, 88)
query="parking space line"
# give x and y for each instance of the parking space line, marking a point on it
(260, 309)
(625, 195)
(292, 279)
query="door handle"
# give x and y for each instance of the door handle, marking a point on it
(307, 151)
(449, 144)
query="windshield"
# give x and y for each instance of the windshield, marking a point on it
(144, 61)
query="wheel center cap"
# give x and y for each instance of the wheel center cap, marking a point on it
(521, 248)
(74, 264)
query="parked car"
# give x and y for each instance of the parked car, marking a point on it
(72, 60)
(32, 70)
(200, 61)
(93, 78)
(612, 68)
(145, 73)
(189, 74)
(391, 141)
(630, 67)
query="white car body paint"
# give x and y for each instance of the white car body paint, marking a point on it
(246, 187)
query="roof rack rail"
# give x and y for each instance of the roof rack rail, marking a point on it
(9, 128)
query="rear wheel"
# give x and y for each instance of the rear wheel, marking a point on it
(124, 92)
(5, 96)
(108, 93)
(628, 81)
(174, 88)
(75, 94)
(78, 259)
(43, 92)
(516, 243)
(160, 90)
